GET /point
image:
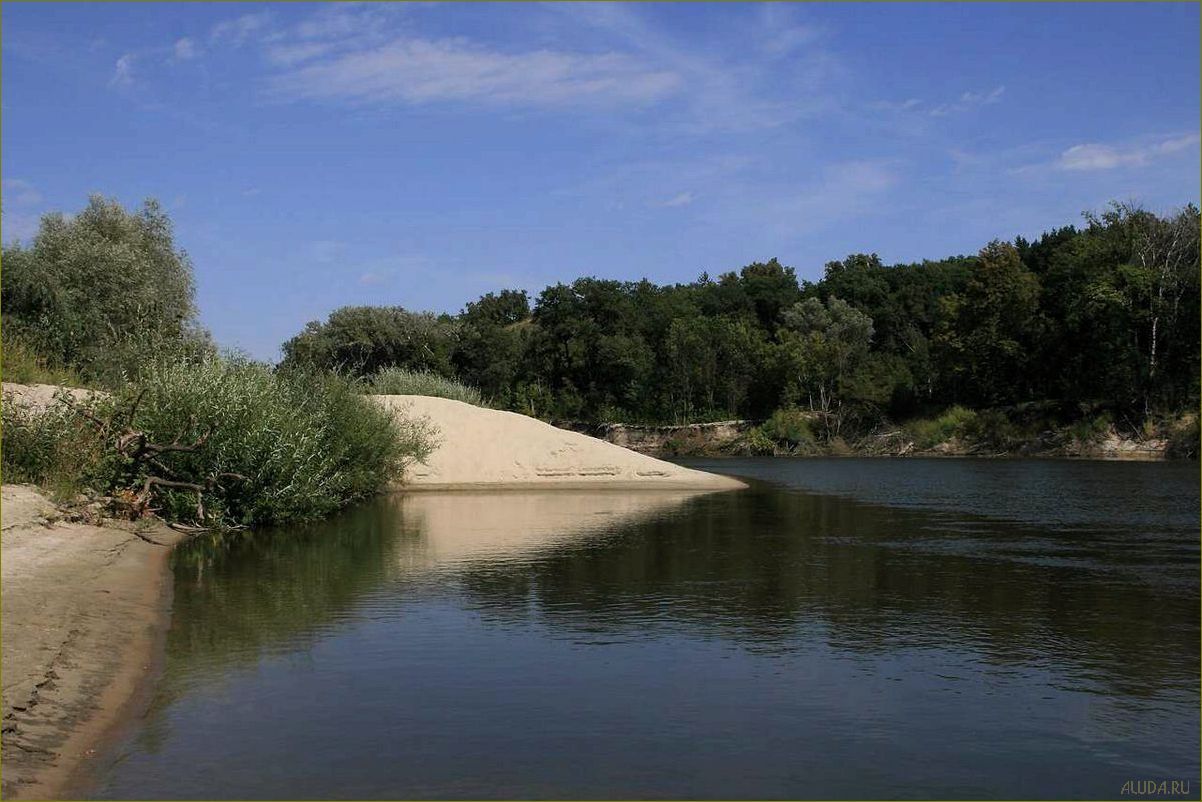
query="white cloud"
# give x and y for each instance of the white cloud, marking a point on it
(185, 49)
(238, 30)
(1093, 156)
(417, 71)
(372, 279)
(19, 192)
(123, 72)
(682, 199)
(968, 100)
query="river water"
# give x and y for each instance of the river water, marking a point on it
(843, 628)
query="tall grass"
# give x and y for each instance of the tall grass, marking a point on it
(21, 363)
(269, 447)
(401, 381)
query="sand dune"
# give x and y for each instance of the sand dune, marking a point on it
(481, 448)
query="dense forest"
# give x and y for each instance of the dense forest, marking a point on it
(1104, 316)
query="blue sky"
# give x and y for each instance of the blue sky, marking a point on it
(319, 155)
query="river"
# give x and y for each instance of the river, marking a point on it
(844, 628)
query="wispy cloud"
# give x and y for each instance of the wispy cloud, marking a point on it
(185, 49)
(18, 218)
(417, 71)
(123, 72)
(19, 192)
(682, 199)
(967, 101)
(1093, 156)
(239, 30)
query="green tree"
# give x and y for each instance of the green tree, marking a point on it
(100, 290)
(985, 332)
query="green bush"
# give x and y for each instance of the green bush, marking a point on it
(54, 447)
(759, 443)
(306, 444)
(400, 381)
(930, 432)
(263, 447)
(21, 363)
(92, 290)
(790, 426)
(1090, 430)
(991, 427)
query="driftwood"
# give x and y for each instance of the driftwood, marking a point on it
(136, 446)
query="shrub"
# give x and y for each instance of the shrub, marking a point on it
(759, 443)
(21, 363)
(790, 426)
(991, 427)
(54, 447)
(303, 444)
(930, 432)
(1090, 430)
(400, 381)
(256, 446)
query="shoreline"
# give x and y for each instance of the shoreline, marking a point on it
(86, 605)
(76, 665)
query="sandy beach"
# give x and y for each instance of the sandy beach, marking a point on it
(84, 608)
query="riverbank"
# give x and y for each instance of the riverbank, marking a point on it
(741, 438)
(84, 609)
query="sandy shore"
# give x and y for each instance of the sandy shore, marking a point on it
(84, 609)
(489, 449)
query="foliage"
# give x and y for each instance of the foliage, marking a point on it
(222, 441)
(361, 340)
(930, 432)
(53, 447)
(96, 290)
(789, 426)
(305, 444)
(24, 365)
(400, 381)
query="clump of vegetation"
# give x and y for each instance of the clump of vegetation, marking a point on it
(930, 432)
(22, 364)
(55, 447)
(1089, 430)
(400, 381)
(790, 426)
(219, 442)
(1184, 438)
(100, 291)
(991, 428)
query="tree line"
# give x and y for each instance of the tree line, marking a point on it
(1098, 316)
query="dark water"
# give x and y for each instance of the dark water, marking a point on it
(844, 628)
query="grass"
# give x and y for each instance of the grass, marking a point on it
(401, 381)
(267, 447)
(22, 364)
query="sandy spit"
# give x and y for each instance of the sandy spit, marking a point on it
(84, 610)
(489, 449)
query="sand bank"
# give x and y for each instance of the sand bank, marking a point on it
(83, 608)
(486, 449)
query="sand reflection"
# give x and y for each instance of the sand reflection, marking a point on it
(445, 530)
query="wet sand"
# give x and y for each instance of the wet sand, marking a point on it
(84, 609)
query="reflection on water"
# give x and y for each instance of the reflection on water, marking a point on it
(927, 636)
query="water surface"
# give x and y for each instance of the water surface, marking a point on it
(843, 628)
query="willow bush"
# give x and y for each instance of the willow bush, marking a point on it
(255, 446)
